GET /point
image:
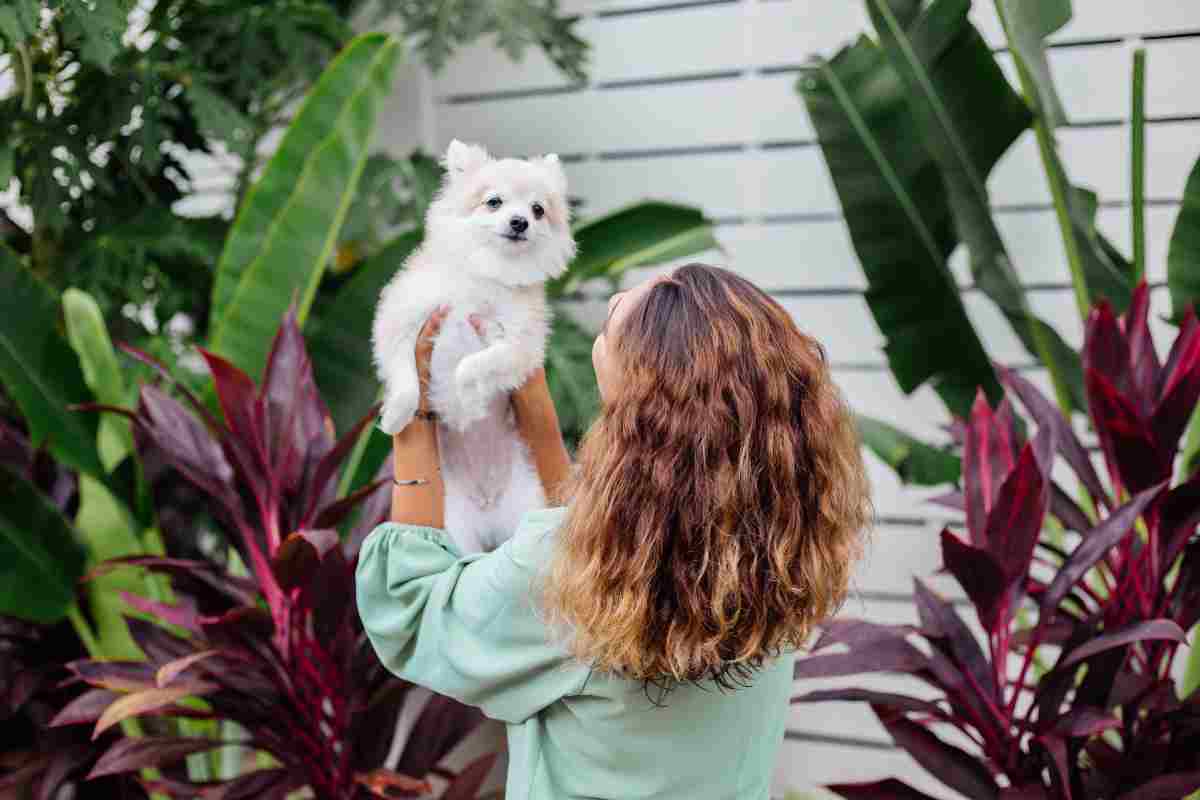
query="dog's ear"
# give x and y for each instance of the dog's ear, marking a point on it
(462, 158)
(554, 169)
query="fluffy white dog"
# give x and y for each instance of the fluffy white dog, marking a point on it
(495, 231)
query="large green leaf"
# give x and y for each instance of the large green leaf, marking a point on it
(913, 460)
(637, 235)
(40, 558)
(339, 339)
(39, 369)
(286, 229)
(968, 117)
(1029, 23)
(89, 338)
(1183, 257)
(571, 377)
(900, 223)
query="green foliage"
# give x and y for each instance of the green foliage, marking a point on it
(40, 371)
(516, 24)
(89, 339)
(286, 229)
(40, 557)
(913, 460)
(1183, 257)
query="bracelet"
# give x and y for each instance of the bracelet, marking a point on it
(430, 415)
(413, 482)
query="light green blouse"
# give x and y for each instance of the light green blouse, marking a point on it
(466, 627)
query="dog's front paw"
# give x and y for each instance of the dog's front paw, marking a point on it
(475, 392)
(398, 409)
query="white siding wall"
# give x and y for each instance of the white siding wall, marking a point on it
(695, 102)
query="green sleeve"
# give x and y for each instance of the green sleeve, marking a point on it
(465, 626)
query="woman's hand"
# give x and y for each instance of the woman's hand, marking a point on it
(424, 350)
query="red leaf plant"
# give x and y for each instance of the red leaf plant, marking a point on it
(1069, 691)
(281, 652)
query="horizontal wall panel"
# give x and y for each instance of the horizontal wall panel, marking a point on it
(1103, 19)
(591, 122)
(635, 46)
(897, 554)
(795, 181)
(789, 33)
(804, 765)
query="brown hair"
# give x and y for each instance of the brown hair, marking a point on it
(719, 501)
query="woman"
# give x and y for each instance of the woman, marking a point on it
(639, 639)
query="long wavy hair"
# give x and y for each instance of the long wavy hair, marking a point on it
(719, 501)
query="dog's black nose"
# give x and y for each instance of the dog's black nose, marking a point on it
(518, 224)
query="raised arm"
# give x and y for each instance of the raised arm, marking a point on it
(538, 424)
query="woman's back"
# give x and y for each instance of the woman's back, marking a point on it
(610, 740)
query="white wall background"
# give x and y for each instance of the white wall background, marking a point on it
(695, 102)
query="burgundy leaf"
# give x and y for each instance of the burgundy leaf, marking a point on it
(298, 425)
(236, 395)
(1047, 415)
(162, 370)
(1183, 342)
(980, 576)
(1129, 447)
(332, 515)
(888, 789)
(121, 676)
(253, 785)
(1015, 521)
(321, 489)
(64, 763)
(1134, 632)
(1056, 749)
(1067, 511)
(988, 455)
(858, 632)
(1030, 791)
(299, 556)
(1166, 787)
(127, 755)
(889, 700)
(470, 780)
(248, 626)
(1178, 516)
(1105, 349)
(168, 672)
(443, 723)
(941, 620)
(1143, 359)
(156, 642)
(181, 613)
(148, 701)
(884, 655)
(86, 708)
(1085, 721)
(955, 500)
(374, 510)
(188, 446)
(1180, 393)
(380, 714)
(950, 765)
(1095, 544)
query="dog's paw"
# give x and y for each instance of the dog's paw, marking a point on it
(398, 409)
(475, 393)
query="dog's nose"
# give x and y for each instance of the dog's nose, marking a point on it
(519, 224)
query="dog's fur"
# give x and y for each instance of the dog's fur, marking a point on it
(468, 261)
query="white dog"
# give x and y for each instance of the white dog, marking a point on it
(495, 231)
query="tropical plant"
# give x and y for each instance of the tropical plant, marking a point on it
(1071, 692)
(281, 651)
(911, 124)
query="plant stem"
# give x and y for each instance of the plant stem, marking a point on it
(1055, 177)
(1137, 135)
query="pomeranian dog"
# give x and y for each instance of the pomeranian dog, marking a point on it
(496, 230)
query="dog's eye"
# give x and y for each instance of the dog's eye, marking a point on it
(494, 202)
(538, 211)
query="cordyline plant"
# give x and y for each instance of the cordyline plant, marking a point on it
(1079, 701)
(281, 653)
